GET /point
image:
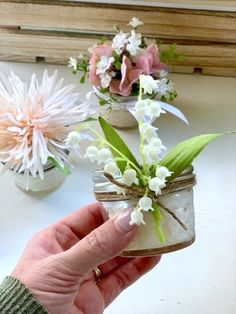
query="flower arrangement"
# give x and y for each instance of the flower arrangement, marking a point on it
(35, 121)
(147, 178)
(114, 69)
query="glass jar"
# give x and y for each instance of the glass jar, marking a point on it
(53, 178)
(147, 243)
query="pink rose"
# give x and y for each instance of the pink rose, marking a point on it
(149, 61)
(98, 52)
(129, 75)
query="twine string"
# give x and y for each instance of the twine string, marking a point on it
(135, 192)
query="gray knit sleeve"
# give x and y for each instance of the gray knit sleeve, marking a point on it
(15, 298)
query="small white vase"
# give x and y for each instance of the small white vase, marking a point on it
(53, 178)
(147, 242)
(118, 115)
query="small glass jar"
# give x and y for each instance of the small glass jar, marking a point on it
(147, 242)
(53, 178)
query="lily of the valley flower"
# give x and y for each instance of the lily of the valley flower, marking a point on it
(153, 151)
(130, 177)
(145, 203)
(92, 153)
(136, 217)
(73, 139)
(163, 172)
(156, 184)
(148, 131)
(112, 168)
(148, 108)
(104, 155)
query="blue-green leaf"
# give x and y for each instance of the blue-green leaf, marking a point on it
(116, 141)
(181, 156)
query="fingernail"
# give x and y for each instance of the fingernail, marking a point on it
(122, 222)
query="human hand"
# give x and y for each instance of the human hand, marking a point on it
(57, 264)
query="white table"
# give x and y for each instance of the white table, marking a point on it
(199, 279)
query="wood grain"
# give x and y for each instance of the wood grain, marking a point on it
(51, 31)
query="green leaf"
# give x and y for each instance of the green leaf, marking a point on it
(103, 102)
(157, 219)
(181, 156)
(64, 169)
(116, 141)
(82, 80)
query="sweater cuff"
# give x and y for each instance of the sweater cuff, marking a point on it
(15, 298)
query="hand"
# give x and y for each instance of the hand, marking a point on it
(57, 264)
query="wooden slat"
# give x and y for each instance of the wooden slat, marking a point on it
(220, 71)
(19, 58)
(158, 22)
(51, 31)
(59, 46)
(223, 5)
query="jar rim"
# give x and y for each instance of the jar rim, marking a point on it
(98, 175)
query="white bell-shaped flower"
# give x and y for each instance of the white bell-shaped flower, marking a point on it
(154, 109)
(141, 107)
(163, 172)
(152, 153)
(136, 217)
(92, 153)
(148, 131)
(111, 168)
(130, 177)
(156, 184)
(145, 203)
(156, 142)
(104, 155)
(73, 139)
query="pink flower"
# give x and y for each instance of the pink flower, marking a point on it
(149, 61)
(129, 75)
(98, 52)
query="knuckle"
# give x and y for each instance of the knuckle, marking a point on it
(122, 279)
(99, 243)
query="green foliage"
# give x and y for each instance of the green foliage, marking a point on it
(171, 55)
(116, 141)
(64, 169)
(181, 156)
(157, 219)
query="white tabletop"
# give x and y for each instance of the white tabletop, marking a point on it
(199, 279)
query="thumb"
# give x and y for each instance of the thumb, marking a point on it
(102, 244)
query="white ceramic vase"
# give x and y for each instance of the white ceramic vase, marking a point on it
(118, 115)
